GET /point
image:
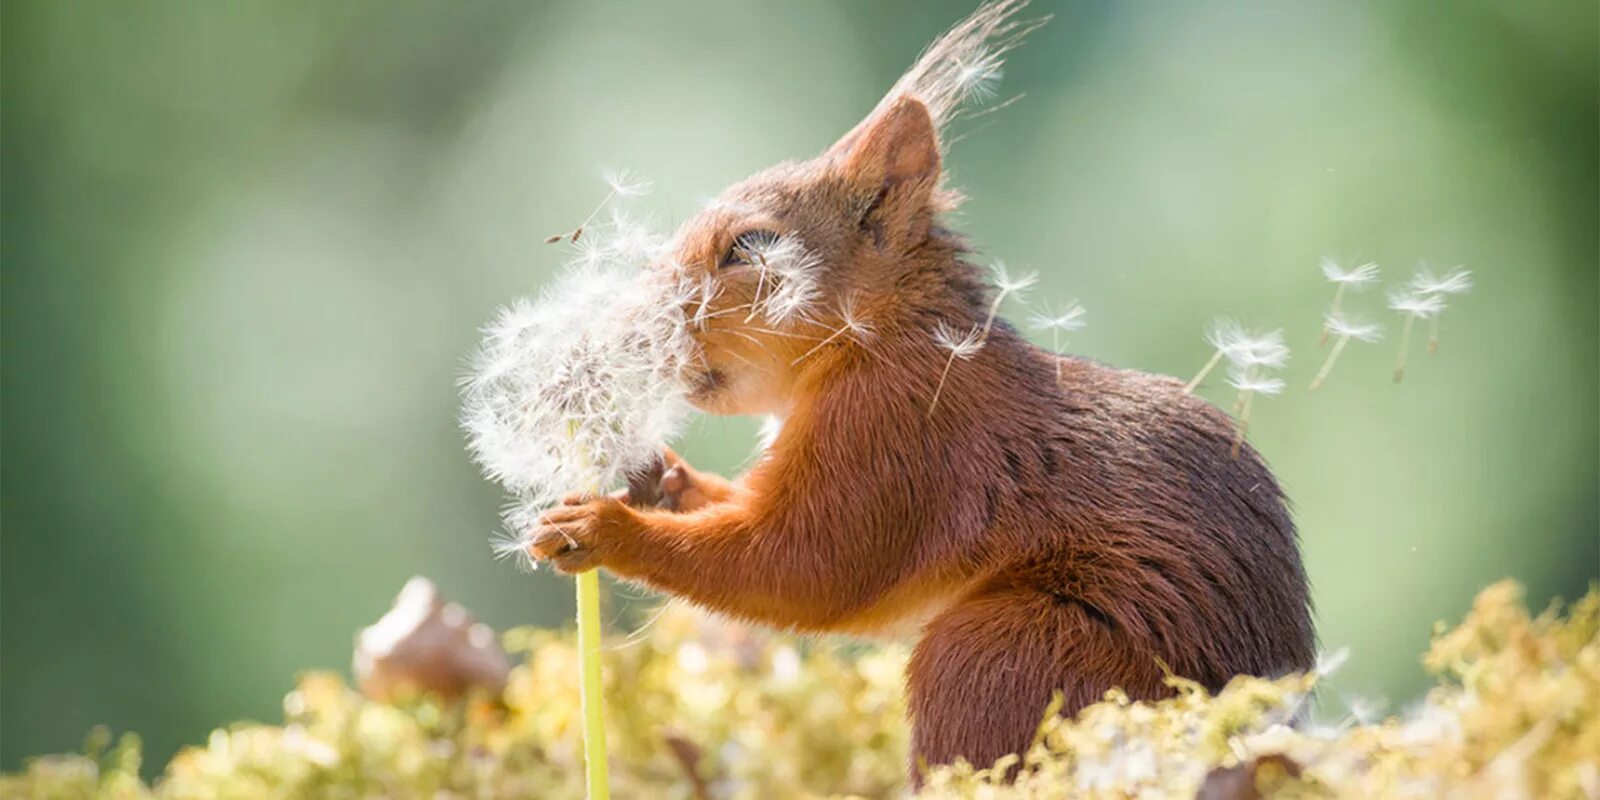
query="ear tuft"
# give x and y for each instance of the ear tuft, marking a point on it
(898, 144)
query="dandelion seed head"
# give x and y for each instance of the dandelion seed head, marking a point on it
(1068, 320)
(1456, 281)
(962, 345)
(1253, 381)
(1345, 326)
(1418, 306)
(1356, 276)
(576, 390)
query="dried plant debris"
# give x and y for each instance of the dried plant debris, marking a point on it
(425, 644)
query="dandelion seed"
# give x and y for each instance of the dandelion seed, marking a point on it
(1069, 320)
(1329, 662)
(1456, 281)
(1249, 381)
(1241, 348)
(1343, 330)
(787, 272)
(1006, 285)
(1354, 279)
(850, 322)
(626, 184)
(976, 76)
(961, 345)
(962, 69)
(619, 183)
(1413, 307)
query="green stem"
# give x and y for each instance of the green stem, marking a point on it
(596, 778)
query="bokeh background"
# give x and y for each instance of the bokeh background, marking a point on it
(247, 245)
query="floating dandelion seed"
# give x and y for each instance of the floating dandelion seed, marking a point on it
(968, 345)
(850, 322)
(1250, 381)
(1425, 283)
(1240, 347)
(1355, 279)
(1414, 307)
(621, 183)
(1343, 330)
(1069, 320)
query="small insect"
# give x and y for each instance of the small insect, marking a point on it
(622, 183)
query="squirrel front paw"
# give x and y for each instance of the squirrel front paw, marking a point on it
(579, 534)
(673, 485)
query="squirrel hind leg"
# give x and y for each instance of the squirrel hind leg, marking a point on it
(985, 670)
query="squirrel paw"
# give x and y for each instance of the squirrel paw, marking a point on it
(673, 485)
(577, 535)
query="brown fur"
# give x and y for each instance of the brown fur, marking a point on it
(1044, 535)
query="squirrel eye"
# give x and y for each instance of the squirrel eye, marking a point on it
(747, 245)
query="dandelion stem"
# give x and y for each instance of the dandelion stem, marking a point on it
(591, 697)
(1405, 344)
(578, 231)
(1216, 358)
(1338, 297)
(940, 387)
(1243, 425)
(1055, 344)
(820, 345)
(596, 778)
(1433, 335)
(1327, 365)
(761, 282)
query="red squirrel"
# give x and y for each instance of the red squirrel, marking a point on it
(1052, 524)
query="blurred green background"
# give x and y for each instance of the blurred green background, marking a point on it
(247, 245)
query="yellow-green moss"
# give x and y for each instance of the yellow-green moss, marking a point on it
(1516, 714)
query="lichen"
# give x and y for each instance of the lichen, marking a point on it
(700, 708)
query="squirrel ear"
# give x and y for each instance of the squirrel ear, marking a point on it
(896, 144)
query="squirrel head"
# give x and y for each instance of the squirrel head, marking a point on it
(802, 263)
(803, 251)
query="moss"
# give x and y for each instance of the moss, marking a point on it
(703, 709)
